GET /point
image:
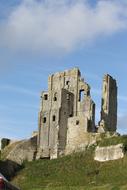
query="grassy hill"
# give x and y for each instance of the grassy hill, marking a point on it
(75, 172)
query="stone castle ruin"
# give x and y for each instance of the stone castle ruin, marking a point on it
(67, 121)
(67, 114)
(109, 104)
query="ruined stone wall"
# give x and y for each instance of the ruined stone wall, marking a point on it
(44, 120)
(48, 122)
(62, 101)
(20, 151)
(86, 108)
(77, 136)
(53, 122)
(109, 103)
(67, 80)
(113, 152)
(58, 129)
(67, 113)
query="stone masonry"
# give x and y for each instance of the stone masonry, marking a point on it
(107, 153)
(67, 114)
(109, 104)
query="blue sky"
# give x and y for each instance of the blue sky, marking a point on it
(38, 38)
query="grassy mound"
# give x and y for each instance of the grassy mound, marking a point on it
(75, 172)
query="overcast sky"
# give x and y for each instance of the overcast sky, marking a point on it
(40, 37)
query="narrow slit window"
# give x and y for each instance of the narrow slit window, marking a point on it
(54, 118)
(44, 120)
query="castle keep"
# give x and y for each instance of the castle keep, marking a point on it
(67, 114)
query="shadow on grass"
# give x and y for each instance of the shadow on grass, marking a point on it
(9, 168)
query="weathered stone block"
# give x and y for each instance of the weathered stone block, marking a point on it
(113, 152)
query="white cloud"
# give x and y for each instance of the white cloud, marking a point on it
(59, 25)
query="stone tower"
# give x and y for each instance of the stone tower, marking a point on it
(109, 104)
(68, 96)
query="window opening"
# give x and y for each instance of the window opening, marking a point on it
(77, 122)
(54, 118)
(55, 97)
(44, 120)
(45, 96)
(81, 95)
(67, 82)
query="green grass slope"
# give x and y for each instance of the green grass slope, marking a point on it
(114, 141)
(75, 172)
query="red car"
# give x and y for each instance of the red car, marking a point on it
(5, 184)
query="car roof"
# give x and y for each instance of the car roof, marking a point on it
(3, 177)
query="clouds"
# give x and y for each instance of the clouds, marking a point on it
(55, 26)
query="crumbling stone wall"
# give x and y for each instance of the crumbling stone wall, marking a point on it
(53, 124)
(109, 104)
(77, 136)
(68, 96)
(113, 152)
(20, 151)
(67, 114)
